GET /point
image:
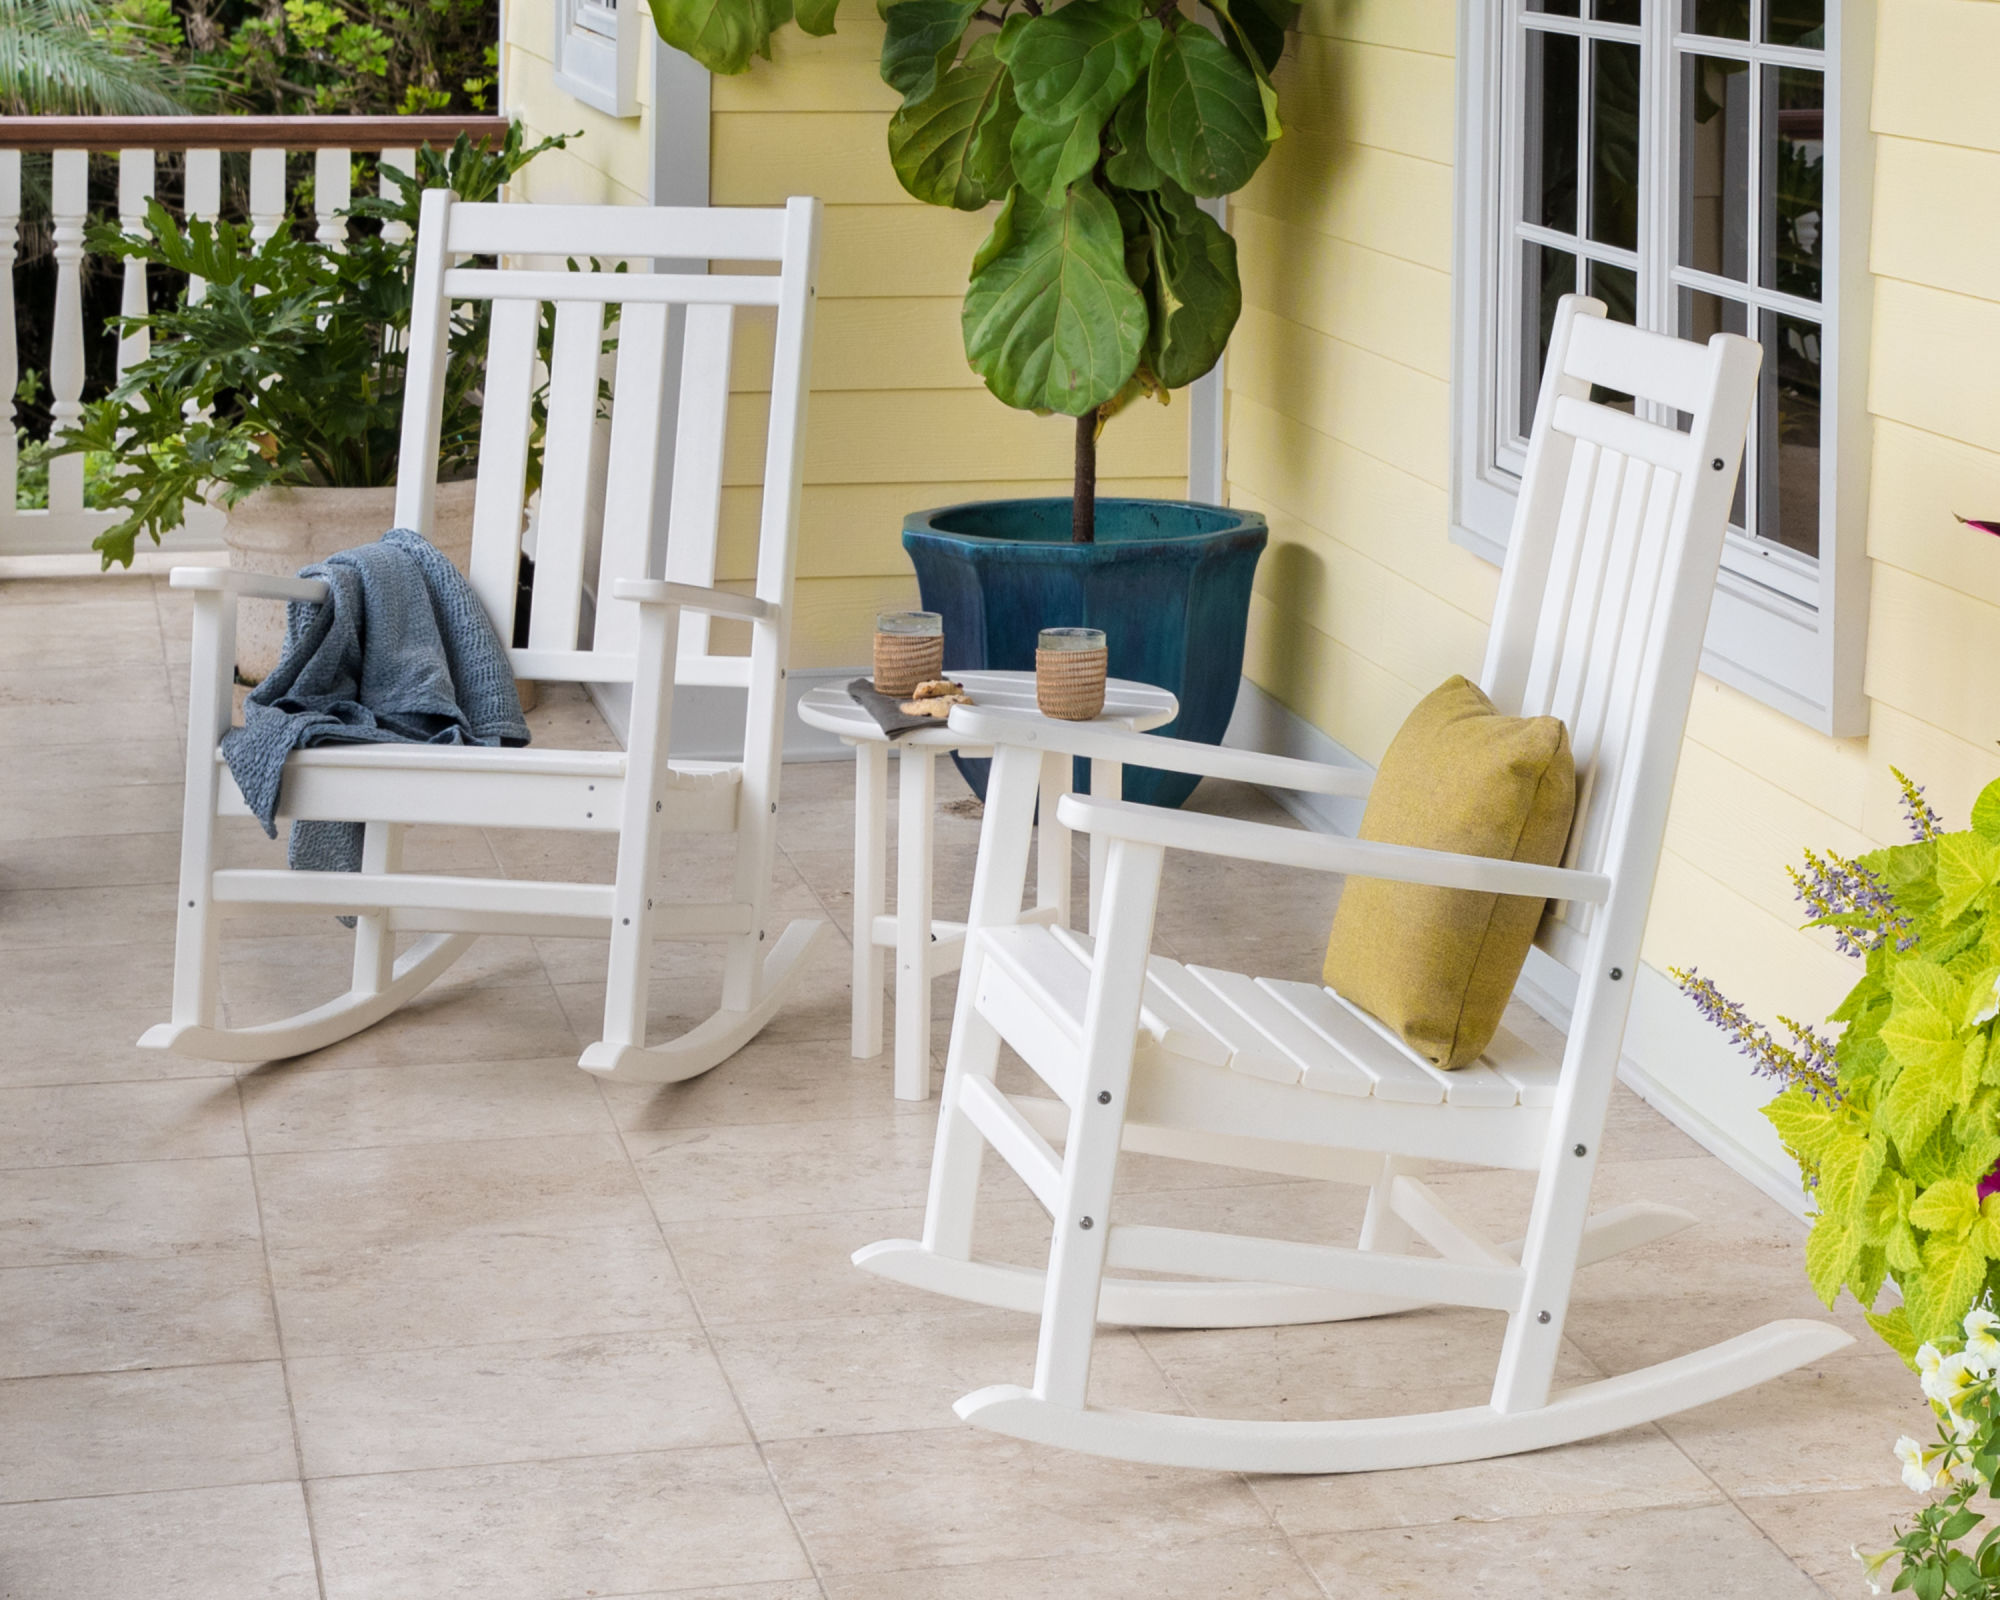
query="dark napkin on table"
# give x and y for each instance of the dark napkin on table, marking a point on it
(887, 710)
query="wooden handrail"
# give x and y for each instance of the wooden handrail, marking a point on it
(244, 133)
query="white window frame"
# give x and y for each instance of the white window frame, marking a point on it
(597, 48)
(1789, 632)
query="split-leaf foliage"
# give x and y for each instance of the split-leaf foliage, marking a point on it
(289, 368)
(1096, 125)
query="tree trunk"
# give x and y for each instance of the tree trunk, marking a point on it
(1083, 505)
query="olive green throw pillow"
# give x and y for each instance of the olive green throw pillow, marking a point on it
(1438, 965)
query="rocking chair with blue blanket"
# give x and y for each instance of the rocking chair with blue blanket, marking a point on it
(645, 630)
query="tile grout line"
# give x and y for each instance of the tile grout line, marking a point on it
(715, 1355)
(278, 1332)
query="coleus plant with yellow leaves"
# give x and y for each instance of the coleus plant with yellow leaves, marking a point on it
(1097, 125)
(1895, 1121)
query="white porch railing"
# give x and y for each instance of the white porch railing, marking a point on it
(66, 526)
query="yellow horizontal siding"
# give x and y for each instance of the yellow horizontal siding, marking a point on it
(1427, 25)
(763, 158)
(937, 435)
(1329, 684)
(1377, 96)
(1762, 960)
(1934, 64)
(1374, 301)
(1921, 481)
(1931, 234)
(1398, 204)
(1392, 412)
(854, 530)
(1922, 369)
(864, 344)
(1386, 514)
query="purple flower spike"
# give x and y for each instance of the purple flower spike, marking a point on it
(1990, 1184)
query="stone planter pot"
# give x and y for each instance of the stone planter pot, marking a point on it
(278, 531)
(1168, 581)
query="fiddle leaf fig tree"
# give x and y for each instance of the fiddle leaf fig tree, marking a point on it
(1097, 126)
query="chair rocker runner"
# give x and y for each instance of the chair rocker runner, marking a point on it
(1605, 592)
(593, 539)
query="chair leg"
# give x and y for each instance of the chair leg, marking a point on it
(1082, 1225)
(374, 944)
(197, 936)
(871, 788)
(628, 965)
(916, 809)
(975, 1045)
(1382, 1227)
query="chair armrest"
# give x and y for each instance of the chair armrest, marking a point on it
(1103, 742)
(257, 585)
(1320, 852)
(693, 597)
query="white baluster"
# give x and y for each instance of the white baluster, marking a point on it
(391, 163)
(267, 193)
(203, 199)
(10, 375)
(135, 188)
(333, 192)
(69, 190)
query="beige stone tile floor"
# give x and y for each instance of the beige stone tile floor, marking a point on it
(432, 1313)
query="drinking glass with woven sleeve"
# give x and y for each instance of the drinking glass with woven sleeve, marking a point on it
(1069, 673)
(909, 650)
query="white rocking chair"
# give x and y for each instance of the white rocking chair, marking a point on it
(641, 636)
(1600, 619)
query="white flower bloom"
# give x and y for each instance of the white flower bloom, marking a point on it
(1982, 1338)
(1872, 1565)
(1928, 1359)
(1951, 1377)
(1911, 1454)
(1991, 1009)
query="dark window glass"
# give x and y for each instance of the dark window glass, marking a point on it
(1549, 187)
(1618, 288)
(1788, 433)
(1719, 19)
(1616, 11)
(1614, 144)
(1790, 209)
(1546, 276)
(1796, 22)
(1715, 166)
(1701, 317)
(1553, 8)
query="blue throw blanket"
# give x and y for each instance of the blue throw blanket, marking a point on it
(400, 652)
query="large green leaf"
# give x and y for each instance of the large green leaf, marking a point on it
(816, 17)
(1048, 157)
(1204, 120)
(1052, 323)
(1129, 165)
(1968, 864)
(1259, 25)
(722, 34)
(1255, 36)
(920, 41)
(1986, 811)
(1195, 293)
(1076, 64)
(933, 136)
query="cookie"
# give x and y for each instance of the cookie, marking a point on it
(932, 706)
(939, 688)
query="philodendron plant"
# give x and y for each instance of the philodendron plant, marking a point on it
(1097, 125)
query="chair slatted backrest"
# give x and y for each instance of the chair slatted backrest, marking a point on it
(597, 495)
(1617, 537)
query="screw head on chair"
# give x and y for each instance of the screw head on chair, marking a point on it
(1541, 1316)
(1086, 1224)
(1104, 1097)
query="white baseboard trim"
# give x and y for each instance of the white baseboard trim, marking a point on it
(708, 723)
(1673, 1060)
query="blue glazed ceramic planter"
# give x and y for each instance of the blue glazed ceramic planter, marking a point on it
(1167, 580)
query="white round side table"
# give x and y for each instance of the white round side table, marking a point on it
(925, 948)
